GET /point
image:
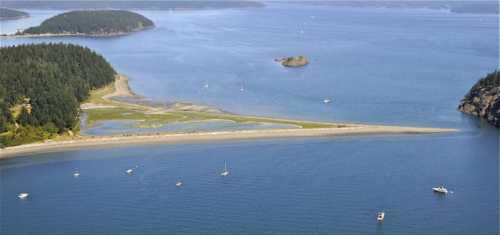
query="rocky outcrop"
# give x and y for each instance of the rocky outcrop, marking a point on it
(483, 100)
(294, 61)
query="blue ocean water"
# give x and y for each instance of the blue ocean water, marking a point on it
(392, 66)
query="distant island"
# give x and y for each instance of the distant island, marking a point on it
(11, 14)
(483, 100)
(91, 23)
(454, 6)
(132, 5)
(294, 61)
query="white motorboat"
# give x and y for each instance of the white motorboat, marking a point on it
(76, 174)
(23, 195)
(226, 171)
(380, 216)
(327, 101)
(178, 184)
(440, 189)
(130, 171)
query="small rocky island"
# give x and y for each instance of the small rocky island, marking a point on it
(10, 14)
(293, 61)
(483, 100)
(91, 23)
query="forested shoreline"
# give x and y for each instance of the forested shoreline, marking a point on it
(92, 23)
(41, 87)
(11, 14)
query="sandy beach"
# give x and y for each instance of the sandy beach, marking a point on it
(108, 141)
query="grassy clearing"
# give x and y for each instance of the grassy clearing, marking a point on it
(155, 120)
(128, 113)
(96, 95)
(247, 119)
(146, 119)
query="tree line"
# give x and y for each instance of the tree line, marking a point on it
(41, 87)
(97, 22)
(11, 14)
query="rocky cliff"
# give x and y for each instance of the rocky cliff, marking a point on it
(483, 100)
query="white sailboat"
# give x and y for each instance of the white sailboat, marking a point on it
(380, 216)
(226, 171)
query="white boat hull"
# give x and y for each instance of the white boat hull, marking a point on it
(380, 216)
(440, 190)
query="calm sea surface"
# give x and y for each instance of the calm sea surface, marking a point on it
(408, 67)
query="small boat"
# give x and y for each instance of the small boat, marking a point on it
(380, 216)
(327, 101)
(76, 174)
(23, 195)
(129, 171)
(206, 86)
(178, 184)
(226, 171)
(440, 189)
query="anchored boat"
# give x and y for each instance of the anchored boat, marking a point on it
(226, 171)
(23, 195)
(380, 216)
(440, 189)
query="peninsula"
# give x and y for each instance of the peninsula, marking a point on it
(96, 23)
(44, 114)
(11, 14)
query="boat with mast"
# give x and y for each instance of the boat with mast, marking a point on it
(226, 171)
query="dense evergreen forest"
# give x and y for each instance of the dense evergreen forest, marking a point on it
(41, 87)
(10, 14)
(98, 22)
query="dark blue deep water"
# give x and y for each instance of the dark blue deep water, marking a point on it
(408, 67)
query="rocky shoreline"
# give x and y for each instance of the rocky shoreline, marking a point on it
(483, 100)
(293, 61)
